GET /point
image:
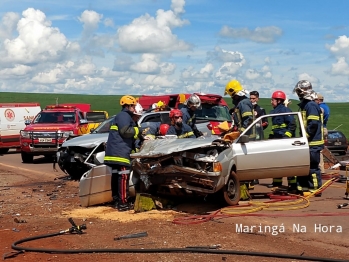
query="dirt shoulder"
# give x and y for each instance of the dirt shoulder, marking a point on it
(42, 204)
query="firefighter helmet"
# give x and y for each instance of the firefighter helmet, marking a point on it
(279, 95)
(175, 113)
(232, 88)
(138, 109)
(303, 89)
(128, 100)
(194, 100)
(163, 129)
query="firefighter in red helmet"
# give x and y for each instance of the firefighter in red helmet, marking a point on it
(283, 126)
(178, 128)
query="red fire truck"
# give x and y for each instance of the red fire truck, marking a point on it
(50, 128)
(214, 109)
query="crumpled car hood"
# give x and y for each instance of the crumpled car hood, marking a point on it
(161, 147)
(87, 141)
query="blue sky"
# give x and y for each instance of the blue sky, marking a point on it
(162, 46)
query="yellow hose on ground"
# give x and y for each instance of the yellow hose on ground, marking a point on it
(254, 206)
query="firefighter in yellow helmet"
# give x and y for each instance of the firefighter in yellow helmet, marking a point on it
(123, 133)
(243, 108)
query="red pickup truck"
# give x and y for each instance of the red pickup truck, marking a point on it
(50, 128)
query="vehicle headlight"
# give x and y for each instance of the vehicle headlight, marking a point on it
(25, 134)
(67, 133)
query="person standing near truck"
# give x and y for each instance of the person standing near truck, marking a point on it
(283, 126)
(192, 104)
(312, 119)
(121, 140)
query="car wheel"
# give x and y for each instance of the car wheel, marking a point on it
(26, 158)
(231, 190)
(4, 150)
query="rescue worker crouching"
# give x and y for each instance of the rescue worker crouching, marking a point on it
(177, 127)
(283, 126)
(312, 119)
(121, 140)
(191, 104)
(150, 130)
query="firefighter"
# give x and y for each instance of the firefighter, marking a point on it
(283, 126)
(121, 140)
(191, 104)
(150, 130)
(177, 127)
(243, 111)
(312, 119)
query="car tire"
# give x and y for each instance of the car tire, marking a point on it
(26, 158)
(231, 191)
(4, 150)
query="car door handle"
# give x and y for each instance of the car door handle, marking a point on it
(298, 143)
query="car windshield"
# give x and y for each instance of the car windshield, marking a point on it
(103, 127)
(335, 135)
(55, 117)
(213, 112)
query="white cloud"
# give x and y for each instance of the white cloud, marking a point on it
(341, 47)
(8, 24)
(37, 41)
(147, 34)
(149, 64)
(340, 68)
(90, 20)
(267, 34)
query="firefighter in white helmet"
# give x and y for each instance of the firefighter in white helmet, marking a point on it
(191, 104)
(312, 119)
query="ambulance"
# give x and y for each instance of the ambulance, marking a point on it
(12, 120)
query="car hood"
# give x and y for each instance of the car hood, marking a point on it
(161, 147)
(87, 141)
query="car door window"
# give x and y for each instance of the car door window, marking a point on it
(152, 118)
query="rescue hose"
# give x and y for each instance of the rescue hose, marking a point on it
(278, 203)
(155, 250)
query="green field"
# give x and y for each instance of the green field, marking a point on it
(338, 117)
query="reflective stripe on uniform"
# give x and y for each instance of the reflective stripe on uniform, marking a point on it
(248, 113)
(315, 182)
(288, 134)
(292, 180)
(117, 159)
(124, 172)
(136, 132)
(313, 117)
(114, 127)
(186, 134)
(277, 180)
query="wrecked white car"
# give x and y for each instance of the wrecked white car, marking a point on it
(207, 166)
(214, 165)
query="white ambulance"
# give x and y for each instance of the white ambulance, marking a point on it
(12, 118)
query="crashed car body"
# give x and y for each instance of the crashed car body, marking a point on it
(210, 165)
(74, 158)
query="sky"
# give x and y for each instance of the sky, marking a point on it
(164, 47)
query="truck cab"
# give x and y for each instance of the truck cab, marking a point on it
(213, 111)
(50, 128)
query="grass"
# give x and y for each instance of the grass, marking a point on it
(338, 117)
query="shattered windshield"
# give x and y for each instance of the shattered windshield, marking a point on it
(55, 117)
(213, 112)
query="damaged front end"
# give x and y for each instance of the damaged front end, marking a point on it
(180, 166)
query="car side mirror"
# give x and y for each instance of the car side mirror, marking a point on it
(244, 139)
(27, 122)
(83, 121)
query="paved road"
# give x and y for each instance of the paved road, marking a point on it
(41, 164)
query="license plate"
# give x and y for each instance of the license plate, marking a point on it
(337, 143)
(45, 140)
